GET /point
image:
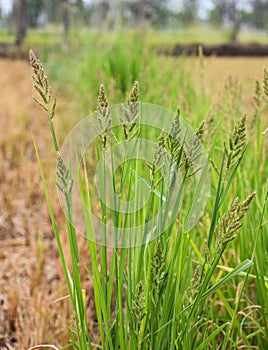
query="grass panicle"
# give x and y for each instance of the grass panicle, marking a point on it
(265, 83)
(134, 94)
(159, 149)
(195, 285)
(138, 308)
(158, 273)
(232, 98)
(258, 94)
(64, 180)
(159, 157)
(236, 144)
(231, 222)
(130, 113)
(200, 132)
(41, 86)
(174, 138)
(260, 99)
(194, 152)
(103, 116)
(40, 81)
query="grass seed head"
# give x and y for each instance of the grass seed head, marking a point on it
(198, 138)
(130, 113)
(265, 83)
(232, 97)
(231, 222)
(200, 131)
(159, 153)
(175, 130)
(103, 116)
(41, 86)
(258, 94)
(173, 141)
(138, 308)
(40, 81)
(236, 144)
(195, 285)
(134, 94)
(102, 99)
(64, 180)
(158, 273)
(194, 150)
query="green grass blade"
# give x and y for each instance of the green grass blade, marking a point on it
(211, 336)
(235, 272)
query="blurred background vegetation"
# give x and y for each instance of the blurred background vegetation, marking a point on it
(232, 18)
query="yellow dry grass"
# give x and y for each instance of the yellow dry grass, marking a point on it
(217, 69)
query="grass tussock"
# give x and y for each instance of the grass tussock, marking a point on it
(165, 292)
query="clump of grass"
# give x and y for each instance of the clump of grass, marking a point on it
(139, 297)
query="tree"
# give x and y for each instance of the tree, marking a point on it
(52, 9)
(260, 13)
(218, 13)
(189, 11)
(79, 10)
(80, 5)
(35, 8)
(154, 11)
(232, 15)
(20, 11)
(98, 11)
(227, 11)
(66, 18)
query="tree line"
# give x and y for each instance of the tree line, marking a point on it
(158, 13)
